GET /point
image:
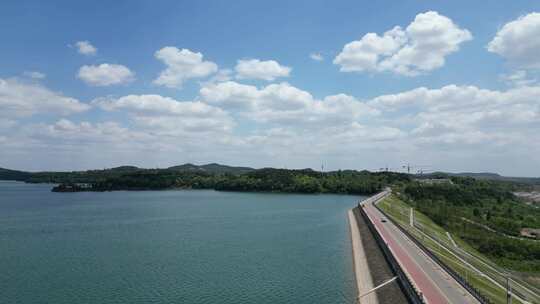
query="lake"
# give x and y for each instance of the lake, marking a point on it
(189, 246)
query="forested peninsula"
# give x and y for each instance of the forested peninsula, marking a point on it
(213, 176)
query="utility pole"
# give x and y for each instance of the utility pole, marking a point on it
(411, 218)
(408, 166)
(508, 291)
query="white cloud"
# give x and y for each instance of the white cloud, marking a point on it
(330, 144)
(316, 56)
(6, 123)
(170, 115)
(69, 144)
(518, 78)
(221, 75)
(256, 69)
(363, 133)
(105, 74)
(86, 48)
(34, 75)
(420, 48)
(65, 129)
(452, 127)
(156, 104)
(284, 103)
(464, 114)
(519, 42)
(230, 95)
(455, 97)
(25, 99)
(181, 66)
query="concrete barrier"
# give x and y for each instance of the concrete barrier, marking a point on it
(413, 295)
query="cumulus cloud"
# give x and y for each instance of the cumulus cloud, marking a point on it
(518, 78)
(86, 48)
(156, 104)
(467, 119)
(316, 56)
(221, 75)
(464, 114)
(182, 65)
(256, 69)
(168, 114)
(34, 75)
(70, 144)
(21, 99)
(65, 129)
(105, 74)
(283, 103)
(291, 126)
(421, 47)
(6, 123)
(331, 144)
(518, 41)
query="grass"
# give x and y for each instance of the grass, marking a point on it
(400, 212)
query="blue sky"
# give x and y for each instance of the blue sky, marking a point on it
(442, 91)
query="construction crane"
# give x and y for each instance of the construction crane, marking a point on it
(386, 169)
(420, 169)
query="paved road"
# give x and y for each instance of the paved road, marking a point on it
(437, 286)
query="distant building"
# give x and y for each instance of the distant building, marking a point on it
(533, 196)
(72, 187)
(530, 233)
(433, 181)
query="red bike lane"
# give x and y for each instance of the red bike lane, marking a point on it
(423, 283)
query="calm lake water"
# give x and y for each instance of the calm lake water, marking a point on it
(173, 247)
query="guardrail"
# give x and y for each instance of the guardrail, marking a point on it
(473, 291)
(413, 295)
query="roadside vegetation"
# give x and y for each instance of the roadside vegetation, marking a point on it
(462, 256)
(483, 213)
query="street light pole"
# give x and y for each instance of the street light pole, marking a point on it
(508, 291)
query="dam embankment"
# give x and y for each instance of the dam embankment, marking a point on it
(370, 266)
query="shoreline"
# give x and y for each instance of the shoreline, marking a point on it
(362, 274)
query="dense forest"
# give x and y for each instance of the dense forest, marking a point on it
(91, 176)
(262, 180)
(214, 176)
(484, 213)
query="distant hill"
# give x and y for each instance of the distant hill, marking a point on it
(90, 175)
(495, 176)
(211, 168)
(479, 175)
(487, 176)
(7, 174)
(125, 168)
(121, 169)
